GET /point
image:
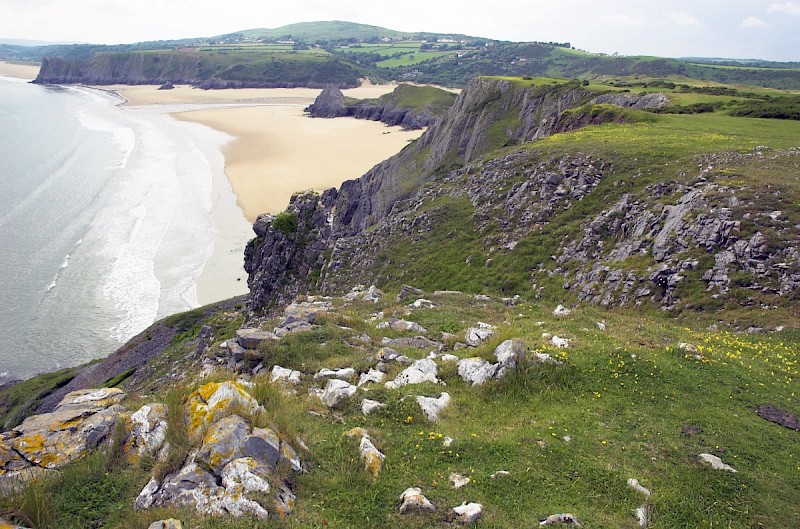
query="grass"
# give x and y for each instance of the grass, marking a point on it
(20, 400)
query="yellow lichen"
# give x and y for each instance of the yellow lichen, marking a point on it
(373, 463)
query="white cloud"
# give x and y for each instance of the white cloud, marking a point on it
(790, 8)
(622, 20)
(753, 22)
(681, 18)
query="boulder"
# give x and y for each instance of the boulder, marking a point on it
(336, 391)
(82, 421)
(374, 294)
(214, 400)
(282, 374)
(347, 373)
(147, 431)
(561, 311)
(469, 512)
(511, 353)
(251, 338)
(368, 406)
(373, 375)
(245, 475)
(372, 457)
(408, 292)
(170, 523)
(476, 371)
(477, 335)
(431, 407)
(413, 500)
(424, 370)
(224, 442)
(263, 445)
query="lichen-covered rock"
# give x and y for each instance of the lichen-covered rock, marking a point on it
(289, 457)
(336, 391)
(477, 335)
(372, 457)
(224, 442)
(263, 445)
(476, 371)
(251, 338)
(147, 431)
(245, 474)
(424, 370)
(431, 407)
(213, 401)
(83, 420)
(413, 500)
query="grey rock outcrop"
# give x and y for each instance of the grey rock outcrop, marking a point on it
(328, 104)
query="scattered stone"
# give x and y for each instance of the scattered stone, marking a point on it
(642, 516)
(356, 432)
(448, 442)
(561, 310)
(458, 480)
(500, 474)
(431, 407)
(424, 370)
(566, 518)
(402, 326)
(601, 326)
(687, 347)
(284, 503)
(282, 374)
(374, 294)
(417, 342)
(778, 416)
(387, 354)
(476, 370)
(251, 338)
(336, 391)
(372, 457)
(373, 375)
(423, 303)
(368, 406)
(634, 484)
(561, 343)
(413, 500)
(170, 523)
(482, 297)
(567, 438)
(716, 463)
(449, 358)
(347, 373)
(469, 512)
(512, 302)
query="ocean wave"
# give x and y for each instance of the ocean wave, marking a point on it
(64, 266)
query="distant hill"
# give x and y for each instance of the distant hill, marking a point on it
(347, 51)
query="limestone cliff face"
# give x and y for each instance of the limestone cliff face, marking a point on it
(130, 68)
(488, 114)
(331, 104)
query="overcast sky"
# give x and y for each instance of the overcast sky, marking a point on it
(762, 29)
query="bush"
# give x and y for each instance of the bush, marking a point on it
(286, 222)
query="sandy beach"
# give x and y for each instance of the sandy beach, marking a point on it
(20, 71)
(277, 150)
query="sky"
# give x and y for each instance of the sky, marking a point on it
(763, 29)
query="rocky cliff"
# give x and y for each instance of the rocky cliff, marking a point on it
(408, 106)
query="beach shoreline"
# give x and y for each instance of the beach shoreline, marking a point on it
(18, 70)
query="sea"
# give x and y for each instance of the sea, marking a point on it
(108, 218)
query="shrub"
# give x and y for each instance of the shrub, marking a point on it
(286, 222)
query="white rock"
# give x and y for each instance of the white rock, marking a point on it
(634, 484)
(448, 442)
(337, 390)
(170, 523)
(641, 515)
(469, 512)
(368, 406)
(477, 335)
(404, 325)
(346, 373)
(283, 374)
(431, 407)
(510, 352)
(565, 518)
(146, 497)
(372, 376)
(561, 310)
(561, 343)
(601, 326)
(413, 499)
(459, 480)
(544, 358)
(423, 304)
(246, 474)
(149, 429)
(716, 463)
(374, 294)
(371, 456)
(476, 370)
(500, 474)
(546, 335)
(424, 370)
(449, 358)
